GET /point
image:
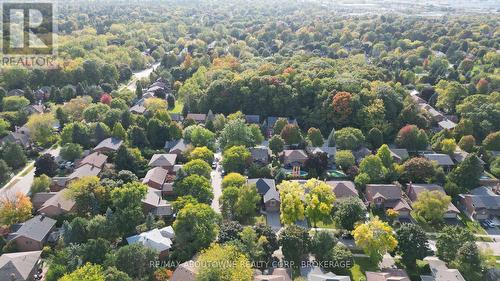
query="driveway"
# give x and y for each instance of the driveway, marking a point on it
(20, 183)
(216, 185)
(140, 75)
(273, 220)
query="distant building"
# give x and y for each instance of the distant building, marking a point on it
(19, 138)
(199, 118)
(177, 146)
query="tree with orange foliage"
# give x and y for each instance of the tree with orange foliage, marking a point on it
(15, 209)
(342, 107)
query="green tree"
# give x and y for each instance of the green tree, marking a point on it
(137, 136)
(345, 159)
(40, 184)
(448, 146)
(236, 133)
(233, 179)
(418, 169)
(119, 132)
(203, 153)
(385, 155)
(224, 263)
(376, 238)
(319, 201)
(276, 144)
(467, 143)
(15, 208)
(412, 244)
(412, 138)
(349, 138)
(5, 171)
(492, 141)
(235, 159)
(431, 206)
(88, 272)
(467, 173)
(135, 260)
(195, 228)
(291, 134)
(197, 167)
(295, 243)
(71, 151)
(349, 211)
(89, 195)
(246, 204)
(375, 137)
(41, 128)
(314, 136)
(157, 133)
(449, 94)
(279, 125)
(291, 207)
(373, 167)
(14, 103)
(197, 186)
(46, 164)
(127, 203)
(469, 261)
(4, 127)
(13, 155)
(450, 239)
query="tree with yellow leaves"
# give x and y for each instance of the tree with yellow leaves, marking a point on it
(15, 209)
(430, 206)
(319, 201)
(291, 207)
(376, 238)
(224, 263)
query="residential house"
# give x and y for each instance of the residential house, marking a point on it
(139, 108)
(155, 178)
(199, 118)
(399, 154)
(329, 151)
(156, 239)
(414, 190)
(35, 109)
(277, 274)
(22, 266)
(343, 189)
(165, 161)
(443, 160)
(271, 120)
(58, 204)
(483, 203)
(460, 155)
(33, 233)
(177, 146)
(361, 153)
(252, 119)
(85, 170)
(268, 192)
(292, 158)
(388, 196)
(15, 92)
(440, 272)
(186, 271)
(95, 159)
(177, 117)
(19, 138)
(387, 274)
(260, 155)
(446, 124)
(154, 204)
(109, 145)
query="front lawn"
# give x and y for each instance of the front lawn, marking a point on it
(177, 108)
(473, 226)
(362, 265)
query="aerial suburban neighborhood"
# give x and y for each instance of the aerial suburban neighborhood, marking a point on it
(267, 140)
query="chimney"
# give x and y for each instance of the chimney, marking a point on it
(410, 188)
(42, 216)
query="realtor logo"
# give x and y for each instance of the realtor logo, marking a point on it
(27, 29)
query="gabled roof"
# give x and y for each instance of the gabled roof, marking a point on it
(36, 228)
(295, 155)
(317, 274)
(252, 119)
(154, 199)
(447, 124)
(110, 143)
(198, 117)
(14, 137)
(151, 239)
(330, 151)
(95, 159)
(157, 175)
(162, 160)
(387, 191)
(263, 185)
(176, 145)
(186, 271)
(460, 155)
(18, 265)
(60, 200)
(387, 275)
(272, 194)
(84, 171)
(343, 189)
(259, 152)
(399, 153)
(278, 274)
(138, 109)
(441, 159)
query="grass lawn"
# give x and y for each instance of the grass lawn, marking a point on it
(31, 167)
(177, 108)
(473, 226)
(330, 225)
(361, 265)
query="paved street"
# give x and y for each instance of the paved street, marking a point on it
(140, 75)
(23, 183)
(216, 185)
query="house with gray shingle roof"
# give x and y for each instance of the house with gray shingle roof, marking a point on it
(20, 266)
(33, 233)
(294, 157)
(165, 161)
(483, 203)
(443, 160)
(343, 189)
(399, 154)
(268, 192)
(109, 145)
(260, 155)
(156, 177)
(155, 204)
(15, 137)
(177, 146)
